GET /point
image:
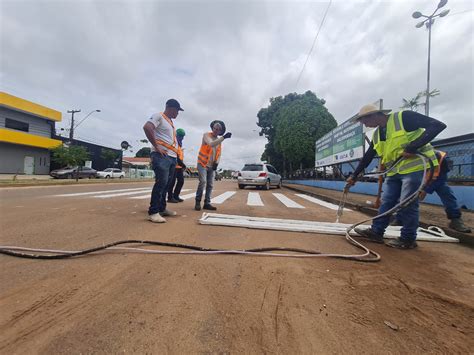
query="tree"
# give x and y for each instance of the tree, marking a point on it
(413, 103)
(109, 155)
(74, 155)
(143, 153)
(292, 124)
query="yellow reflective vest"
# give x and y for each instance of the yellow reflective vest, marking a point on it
(394, 145)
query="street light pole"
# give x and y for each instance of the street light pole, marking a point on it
(90, 113)
(71, 131)
(428, 22)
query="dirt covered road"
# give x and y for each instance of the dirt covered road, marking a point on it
(411, 302)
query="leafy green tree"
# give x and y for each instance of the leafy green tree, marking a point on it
(292, 124)
(143, 153)
(74, 155)
(109, 155)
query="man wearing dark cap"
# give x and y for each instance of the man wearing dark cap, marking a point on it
(161, 133)
(208, 159)
(397, 134)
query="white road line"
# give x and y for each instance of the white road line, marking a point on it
(122, 194)
(147, 196)
(222, 197)
(321, 203)
(253, 199)
(188, 196)
(287, 202)
(99, 192)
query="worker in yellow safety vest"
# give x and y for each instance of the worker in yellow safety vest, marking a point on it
(208, 160)
(397, 134)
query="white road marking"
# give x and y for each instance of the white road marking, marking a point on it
(287, 202)
(99, 192)
(122, 194)
(253, 199)
(222, 197)
(321, 203)
(188, 196)
(147, 196)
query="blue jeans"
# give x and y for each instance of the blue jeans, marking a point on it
(206, 179)
(447, 197)
(397, 188)
(163, 166)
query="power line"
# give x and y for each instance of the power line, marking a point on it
(314, 42)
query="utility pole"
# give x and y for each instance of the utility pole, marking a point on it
(71, 131)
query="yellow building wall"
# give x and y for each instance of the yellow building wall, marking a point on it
(16, 137)
(17, 103)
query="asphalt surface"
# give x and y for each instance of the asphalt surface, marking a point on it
(412, 301)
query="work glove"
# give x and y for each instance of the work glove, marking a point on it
(351, 181)
(227, 135)
(214, 166)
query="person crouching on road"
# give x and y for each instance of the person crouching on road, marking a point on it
(164, 148)
(439, 184)
(208, 160)
(398, 134)
(177, 181)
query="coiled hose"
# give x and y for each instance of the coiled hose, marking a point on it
(367, 256)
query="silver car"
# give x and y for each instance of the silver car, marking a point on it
(261, 175)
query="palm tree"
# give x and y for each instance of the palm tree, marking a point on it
(413, 103)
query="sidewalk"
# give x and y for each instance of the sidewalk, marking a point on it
(430, 215)
(12, 177)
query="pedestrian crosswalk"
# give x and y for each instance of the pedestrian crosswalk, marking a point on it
(253, 199)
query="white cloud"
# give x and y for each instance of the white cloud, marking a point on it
(224, 60)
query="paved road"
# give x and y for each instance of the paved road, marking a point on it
(179, 304)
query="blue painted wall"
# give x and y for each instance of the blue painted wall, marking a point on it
(464, 194)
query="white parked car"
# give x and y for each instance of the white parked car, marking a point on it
(261, 175)
(111, 173)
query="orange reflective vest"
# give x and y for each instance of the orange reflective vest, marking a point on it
(205, 154)
(163, 143)
(180, 156)
(440, 155)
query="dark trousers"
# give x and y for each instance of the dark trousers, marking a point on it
(164, 167)
(176, 183)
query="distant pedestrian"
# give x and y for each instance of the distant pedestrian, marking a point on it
(208, 160)
(177, 181)
(161, 133)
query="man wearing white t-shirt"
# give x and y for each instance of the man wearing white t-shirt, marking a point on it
(161, 133)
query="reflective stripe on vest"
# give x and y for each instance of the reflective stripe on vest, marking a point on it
(163, 143)
(180, 156)
(205, 154)
(395, 142)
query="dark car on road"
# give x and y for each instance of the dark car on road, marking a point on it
(71, 173)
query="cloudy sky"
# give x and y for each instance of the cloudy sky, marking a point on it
(226, 59)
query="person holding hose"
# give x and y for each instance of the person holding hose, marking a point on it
(397, 134)
(177, 181)
(208, 160)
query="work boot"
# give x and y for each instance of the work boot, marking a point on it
(156, 218)
(369, 234)
(177, 198)
(167, 213)
(208, 206)
(172, 200)
(197, 206)
(402, 244)
(458, 225)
